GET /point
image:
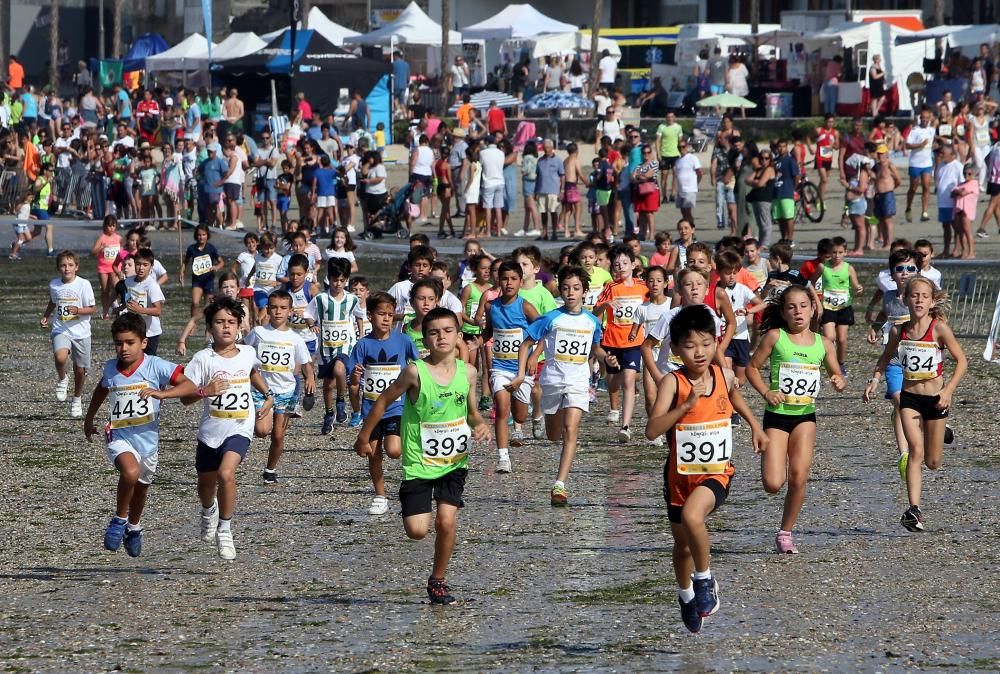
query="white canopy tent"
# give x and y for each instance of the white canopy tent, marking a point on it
(238, 45)
(331, 30)
(411, 27)
(570, 43)
(189, 54)
(516, 22)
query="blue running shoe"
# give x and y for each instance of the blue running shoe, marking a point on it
(328, 419)
(689, 614)
(355, 420)
(341, 411)
(115, 532)
(706, 596)
(133, 542)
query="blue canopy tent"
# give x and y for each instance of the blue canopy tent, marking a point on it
(317, 68)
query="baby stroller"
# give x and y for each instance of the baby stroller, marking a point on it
(391, 218)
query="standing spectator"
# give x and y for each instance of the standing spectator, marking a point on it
(147, 115)
(358, 113)
(233, 111)
(687, 175)
(549, 185)
(876, 84)
(456, 160)
(15, 73)
(459, 76)
(213, 171)
(668, 135)
(492, 160)
(266, 159)
(786, 173)
(400, 78)
(553, 76)
(472, 181)
(919, 142)
(737, 80)
(722, 179)
(947, 177)
(519, 77)
(496, 119)
(510, 176)
(977, 79)
(761, 184)
(610, 126)
(234, 181)
(304, 108)
(122, 105)
(324, 195)
(422, 172)
(717, 67)
(608, 69)
(647, 200)
(82, 78)
(831, 82)
(329, 144)
(464, 113)
(29, 107)
(529, 175)
(577, 79)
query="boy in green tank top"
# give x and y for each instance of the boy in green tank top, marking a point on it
(472, 296)
(440, 422)
(836, 312)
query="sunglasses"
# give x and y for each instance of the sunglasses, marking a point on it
(647, 152)
(900, 268)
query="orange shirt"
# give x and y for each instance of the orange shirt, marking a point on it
(625, 300)
(15, 75)
(744, 276)
(464, 115)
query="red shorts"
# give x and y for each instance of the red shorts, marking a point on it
(246, 293)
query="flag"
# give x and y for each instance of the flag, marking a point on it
(206, 12)
(110, 73)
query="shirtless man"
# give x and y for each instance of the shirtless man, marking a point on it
(571, 192)
(232, 110)
(884, 206)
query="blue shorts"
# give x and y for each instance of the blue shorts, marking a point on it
(884, 205)
(325, 369)
(40, 214)
(739, 351)
(716, 89)
(946, 215)
(205, 281)
(916, 172)
(283, 201)
(857, 206)
(893, 380)
(270, 192)
(208, 459)
(260, 299)
(284, 403)
(628, 359)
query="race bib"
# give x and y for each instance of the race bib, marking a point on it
(111, 253)
(799, 383)
(128, 409)
(336, 334)
(366, 328)
(234, 403)
(944, 130)
(377, 379)
(834, 300)
(63, 306)
(137, 296)
(297, 319)
(201, 265)
(920, 360)
(649, 326)
(825, 151)
(625, 308)
(507, 343)
(276, 356)
(590, 299)
(704, 449)
(473, 310)
(445, 443)
(266, 276)
(573, 346)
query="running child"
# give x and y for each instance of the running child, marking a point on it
(694, 407)
(464, 272)
(472, 297)
(507, 318)
(439, 424)
(925, 398)
(204, 261)
(132, 432)
(796, 355)
(925, 249)
(569, 337)
(840, 285)
(646, 316)
(661, 258)
(285, 185)
(753, 262)
(375, 363)
(532, 290)
(331, 315)
(745, 303)
(71, 298)
(228, 287)
(283, 355)
(143, 296)
(243, 269)
(265, 275)
(678, 251)
(106, 249)
(586, 256)
(618, 303)
(302, 294)
(341, 245)
(418, 264)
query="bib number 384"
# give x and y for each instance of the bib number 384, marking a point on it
(445, 443)
(799, 383)
(705, 448)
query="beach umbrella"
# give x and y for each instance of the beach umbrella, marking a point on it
(726, 101)
(559, 100)
(481, 100)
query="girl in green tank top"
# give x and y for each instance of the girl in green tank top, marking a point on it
(840, 285)
(797, 355)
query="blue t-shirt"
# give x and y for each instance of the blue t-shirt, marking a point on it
(383, 360)
(400, 75)
(192, 118)
(30, 105)
(786, 171)
(549, 171)
(325, 179)
(509, 324)
(315, 132)
(124, 105)
(134, 420)
(212, 171)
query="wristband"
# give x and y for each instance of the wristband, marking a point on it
(269, 394)
(201, 391)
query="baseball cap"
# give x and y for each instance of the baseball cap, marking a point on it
(214, 147)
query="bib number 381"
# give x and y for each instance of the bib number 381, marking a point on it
(573, 346)
(705, 448)
(445, 443)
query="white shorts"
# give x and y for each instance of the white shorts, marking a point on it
(326, 202)
(499, 379)
(493, 196)
(687, 199)
(78, 348)
(557, 399)
(147, 464)
(548, 203)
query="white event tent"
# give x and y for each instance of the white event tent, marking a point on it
(515, 22)
(237, 45)
(189, 54)
(570, 43)
(411, 27)
(331, 30)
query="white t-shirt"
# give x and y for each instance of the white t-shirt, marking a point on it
(923, 157)
(158, 270)
(612, 129)
(348, 255)
(608, 67)
(666, 361)
(450, 301)
(568, 340)
(146, 294)
(492, 159)
(400, 292)
(740, 296)
(350, 165)
(246, 262)
(884, 281)
(424, 164)
(933, 275)
(297, 319)
(685, 169)
(377, 171)
(62, 161)
(648, 314)
(281, 353)
(946, 178)
(239, 175)
(231, 413)
(265, 277)
(77, 293)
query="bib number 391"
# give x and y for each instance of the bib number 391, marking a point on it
(445, 443)
(705, 448)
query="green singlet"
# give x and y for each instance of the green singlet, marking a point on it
(435, 435)
(836, 287)
(471, 307)
(796, 371)
(417, 336)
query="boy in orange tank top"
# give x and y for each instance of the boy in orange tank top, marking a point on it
(694, 406)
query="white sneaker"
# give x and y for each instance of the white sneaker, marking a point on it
(76, 409)
(352, 229)
(503, 462)
(379, 506)
(624, 435)
(224, 539)
(658, 442)
(538, 429)
(516, 437)
(61, 387)
(614, 416)
(521, 233)
(209, 524)
(533, 232)
(504, 232)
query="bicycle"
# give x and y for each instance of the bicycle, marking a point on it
(807, 202)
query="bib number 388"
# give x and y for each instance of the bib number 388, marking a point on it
(705, 448)
(445, 443)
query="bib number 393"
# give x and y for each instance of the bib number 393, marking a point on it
(705, 448)
(445, 443)
(799, 383)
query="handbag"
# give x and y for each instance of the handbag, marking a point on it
(647, 188)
